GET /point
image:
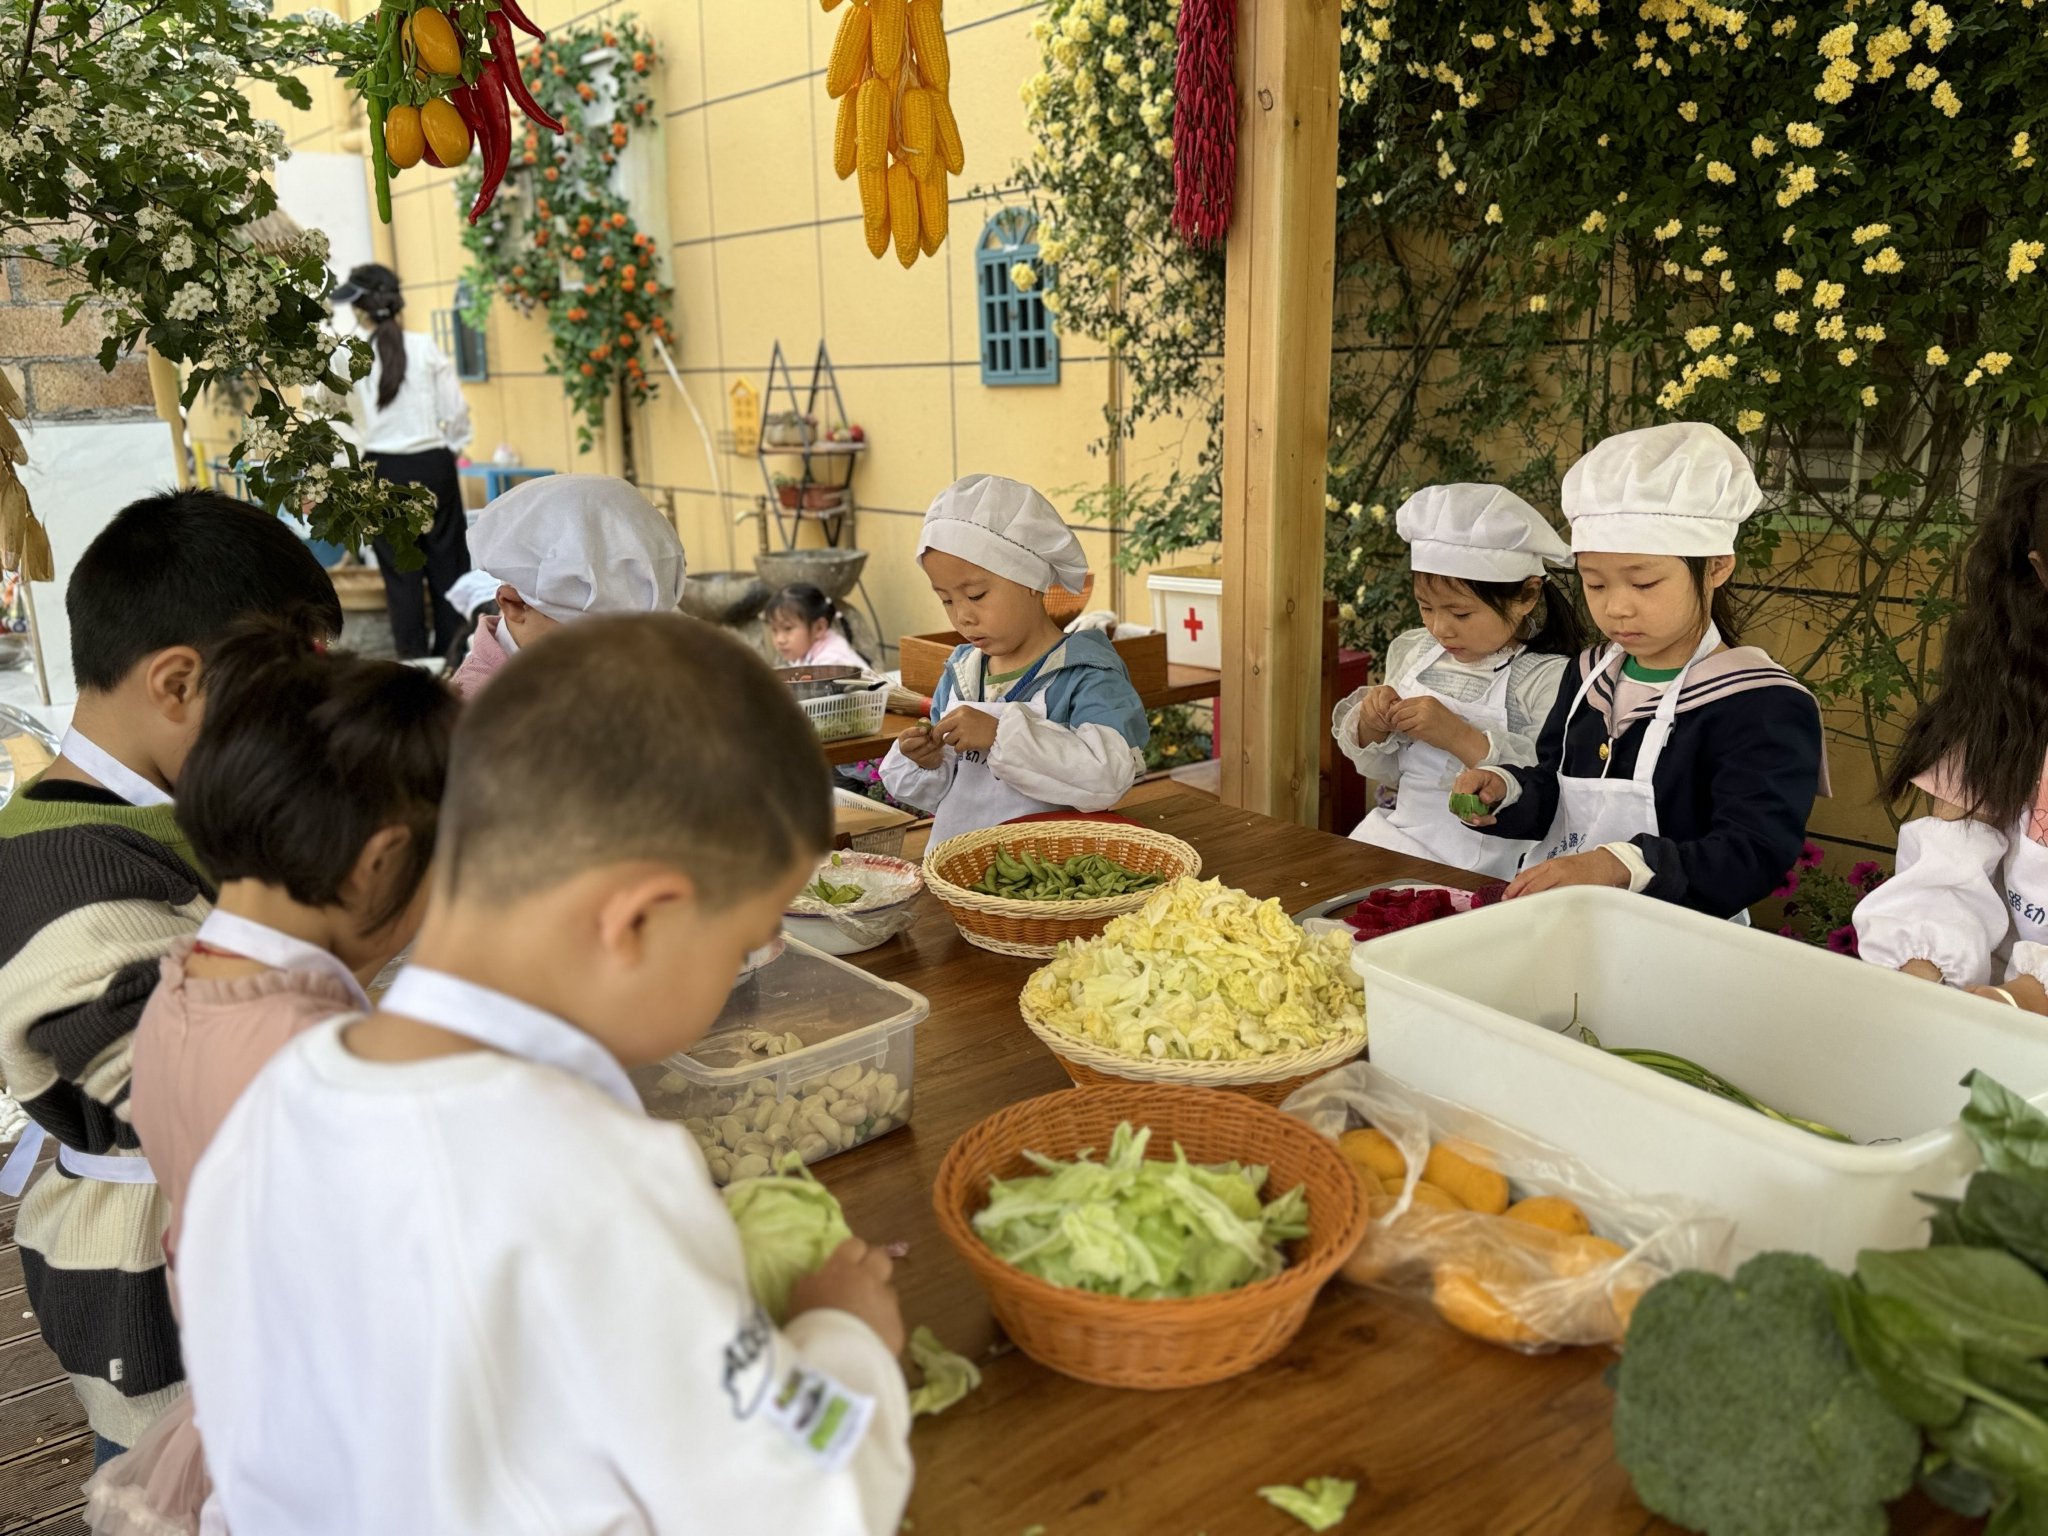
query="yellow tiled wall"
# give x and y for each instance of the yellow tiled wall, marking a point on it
(766, 246)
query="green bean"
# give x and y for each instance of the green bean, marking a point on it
(1027, 876)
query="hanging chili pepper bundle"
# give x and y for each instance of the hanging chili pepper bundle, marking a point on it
(1204, 121)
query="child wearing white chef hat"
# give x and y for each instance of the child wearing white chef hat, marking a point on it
(1671, 764)
(1472, 685)
(1969, 903)
(1026, 718)
(563, 547)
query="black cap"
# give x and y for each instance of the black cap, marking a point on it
(370, 285)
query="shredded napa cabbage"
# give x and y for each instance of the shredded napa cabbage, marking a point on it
(1202, 972)
(789, 1225)
(1144, 1229)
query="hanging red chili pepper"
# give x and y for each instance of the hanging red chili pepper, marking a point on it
(518, 19)
(491, 120)
(1204, 121)
(507, 54)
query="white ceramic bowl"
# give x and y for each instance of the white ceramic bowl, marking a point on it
(892, 887)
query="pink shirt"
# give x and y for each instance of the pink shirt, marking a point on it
(198, 1045)
(486, 655)
(834, 650)
(1944, 781)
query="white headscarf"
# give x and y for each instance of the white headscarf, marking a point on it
(572, 545)
(1477, 533)
(1006, 527)
(1682, 488)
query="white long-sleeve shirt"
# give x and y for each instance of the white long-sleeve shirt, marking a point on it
(1949, 904)
(428, 411)
(475, 1296)
(1533, 680)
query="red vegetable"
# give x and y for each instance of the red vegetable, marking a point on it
(483, 107)
(507, 53)
(518, 19)
(1391, 911)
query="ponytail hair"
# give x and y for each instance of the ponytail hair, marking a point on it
(808, 604)
(373, 289)
(1552, 628)
(1992, 711)
(303, 756)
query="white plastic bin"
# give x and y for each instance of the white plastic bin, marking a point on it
(1187, 607)
(1471, 1008)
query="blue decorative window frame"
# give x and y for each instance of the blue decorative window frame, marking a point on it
(460, 342)
(1018, 342)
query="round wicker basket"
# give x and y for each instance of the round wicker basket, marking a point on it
(1155, 1345)
(1269, 1079)
(1036, 929)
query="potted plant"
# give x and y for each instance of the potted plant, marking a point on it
(789, 490)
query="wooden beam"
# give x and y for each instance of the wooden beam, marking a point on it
(1276, 403)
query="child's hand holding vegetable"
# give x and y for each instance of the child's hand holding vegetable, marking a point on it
(855, 1280)
(1436, 724)
(1376, 715)
(1483, 785)
(967, 729)
(922, 746)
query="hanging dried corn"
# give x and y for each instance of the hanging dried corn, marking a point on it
(1204, 121)
(890, 73)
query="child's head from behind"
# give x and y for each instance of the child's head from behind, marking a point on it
(160, 587)
(321, 775)
(991, 549)
(564, 547)
(629, 810)
(798, 617)
(1654, 516)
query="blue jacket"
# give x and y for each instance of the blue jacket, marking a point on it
(1082, 682)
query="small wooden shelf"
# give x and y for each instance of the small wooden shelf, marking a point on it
(816, 450)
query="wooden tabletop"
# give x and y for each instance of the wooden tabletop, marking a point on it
(1443, 1435)
(1184, 685)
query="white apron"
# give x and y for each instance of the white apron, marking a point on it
(977, 798)
(109, 770)
(1593, 812)
(1420, 823)
(506, 1024)
(2024, 879)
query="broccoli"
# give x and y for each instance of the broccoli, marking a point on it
(1741, 1412)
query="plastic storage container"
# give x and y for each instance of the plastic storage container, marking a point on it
(811, 1056)
(1187, 608)
(1473, 1008)
(837, 716)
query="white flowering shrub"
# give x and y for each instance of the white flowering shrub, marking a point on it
(1821, 226)
(130, 160)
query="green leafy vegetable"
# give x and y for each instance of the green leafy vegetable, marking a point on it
(789, 1224)
(1983, 1297)
(2010, 1211)
(1740, 1411)
(1145, 1229)
(947, 1377)
(834, 895)
(1320, 1503)
(1469, 807)
(1915, 1364)
(2011, 1135)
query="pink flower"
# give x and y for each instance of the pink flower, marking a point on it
(1810, 855)
(1787, 933)
(1867, 876)
(1843, 940)
(1790, 887)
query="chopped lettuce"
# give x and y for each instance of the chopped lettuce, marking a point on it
(1202, 973)
(947, 1377)
(1320, 1503)
(1143, 1229)
(789, 1224)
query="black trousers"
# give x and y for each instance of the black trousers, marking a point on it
(409, 594)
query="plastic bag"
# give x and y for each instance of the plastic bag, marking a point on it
(1518, 1282)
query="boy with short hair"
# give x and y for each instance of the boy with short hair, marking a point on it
(440, 1272)
(99, 882)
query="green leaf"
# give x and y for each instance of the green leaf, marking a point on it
(1985, 1298)
(2011, 1134)
(1914, 1362)
(294, 92)
(1958, 1488)
(1998, 1444)
(2012, 1211)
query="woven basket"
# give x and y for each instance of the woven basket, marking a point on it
(1065, 607)
(1269, 1079)
(1155, 1345)
(1036, 929)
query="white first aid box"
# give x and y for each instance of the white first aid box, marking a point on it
(1187, 608)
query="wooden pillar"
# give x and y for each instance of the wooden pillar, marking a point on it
(1276, 404)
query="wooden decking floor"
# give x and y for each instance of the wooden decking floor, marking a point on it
(45, 1447)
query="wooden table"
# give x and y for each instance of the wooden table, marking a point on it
(1443, 1435)
(1184, 685)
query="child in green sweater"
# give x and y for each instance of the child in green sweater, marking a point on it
(100, 881)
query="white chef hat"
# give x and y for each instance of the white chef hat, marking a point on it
(1477, 533)
(1682, 488)
(572, 545)
(1006, 527)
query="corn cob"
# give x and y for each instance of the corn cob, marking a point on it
(903, 212)
(849, 53)
(931, 213)
(886, 32)
(845, 154)
(951, 151)
(920, 135)
(928, 40)
(874, 207)
(872, 140)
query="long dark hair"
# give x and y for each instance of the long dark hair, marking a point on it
(382, 302)
(1716, 604)
(1993, 705)
(303, 756)
(1552, 628)
(809, 604)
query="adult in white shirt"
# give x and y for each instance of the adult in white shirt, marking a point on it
(409, 419)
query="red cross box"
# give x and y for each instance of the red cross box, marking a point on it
(1187, 607)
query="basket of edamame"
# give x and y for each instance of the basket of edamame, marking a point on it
(1025, 888)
